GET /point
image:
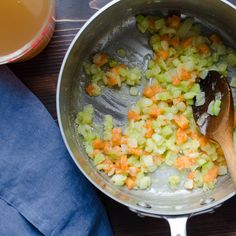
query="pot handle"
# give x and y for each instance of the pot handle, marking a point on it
(178, 225)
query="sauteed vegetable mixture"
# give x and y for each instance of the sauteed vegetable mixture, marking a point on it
(161, 129)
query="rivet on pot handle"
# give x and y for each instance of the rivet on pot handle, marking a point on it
(178, 225)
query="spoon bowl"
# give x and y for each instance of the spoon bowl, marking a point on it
(218, 128)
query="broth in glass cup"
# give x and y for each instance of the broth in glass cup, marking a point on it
(26, 27)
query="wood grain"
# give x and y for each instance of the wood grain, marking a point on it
(40, 75)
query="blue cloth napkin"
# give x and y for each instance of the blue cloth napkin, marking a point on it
(42, 192)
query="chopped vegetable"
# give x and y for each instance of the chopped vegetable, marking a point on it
(160, 127)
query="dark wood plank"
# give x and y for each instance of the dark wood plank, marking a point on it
(40, 75)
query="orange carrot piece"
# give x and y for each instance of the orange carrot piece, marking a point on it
(165, 37)
(98, 144)
(184, 74)
(123, 163)
(174, 42)
(116, 136)
(187, 42)
(148, 92)
(154, 111)
(132, 115)
(130, 183)
(181, 136)
(203, 141)
(135, 151)
(175, 80)
(191, 175)
(182, 121)
(163, 54)
(215, 39)
(184, 162)
(90, 89)
(149, 128)
(152, 24)
(203, 49)
(100, 59)
(211, 175)
(112, 81)
(174, 21)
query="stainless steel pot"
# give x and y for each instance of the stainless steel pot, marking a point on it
(109, 29)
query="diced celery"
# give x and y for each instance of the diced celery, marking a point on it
(200, 99)
(174, 181)
(160, 23)
(170, 158)
(189, 184)
(85, 116)
(231, 59)
(147, 163)
(223, 170)
(233, 81)
(119, 179)
(121, 52)
(185, 27)
(133, 91)
(98, 159)
(144, 183)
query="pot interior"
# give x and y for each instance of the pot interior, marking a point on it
(113, 28)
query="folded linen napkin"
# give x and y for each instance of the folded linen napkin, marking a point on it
(42, 192)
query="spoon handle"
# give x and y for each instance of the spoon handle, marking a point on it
(230, 155)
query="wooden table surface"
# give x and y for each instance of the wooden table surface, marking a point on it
(40, 76)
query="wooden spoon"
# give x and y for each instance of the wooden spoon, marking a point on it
(218, 128)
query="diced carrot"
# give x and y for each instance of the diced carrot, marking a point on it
(115, 70)
(192, 175)
(90, 89)
(116, 136)
(184, 162)
(211, 175)
(182, 121)
(135, 151)
(203, 48)
(165, 37)
(157, 159)
(203, 141)
(193, 135)
(148, 92)
(123, 163)
(133, 115)
(112, 81)
(178, 99)
(107, 147)
(149, 128)
(181, 136)
(174, 21)
(152, 24)
(163, 54)
(174, 42)
(184, 74)
(187, 42)
(100, 59)
(156, 88)
(215, 39)
(130, 183)
(98, 144)
(154, 111)
(175, 80)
